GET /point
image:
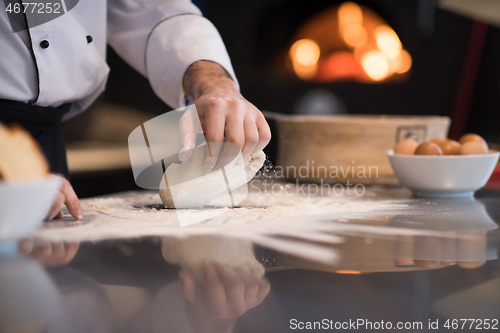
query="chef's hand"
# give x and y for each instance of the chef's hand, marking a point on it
(225, 115)
(224, 295)
(66, 196)
(49, 254)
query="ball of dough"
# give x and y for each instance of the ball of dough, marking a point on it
(194, 251)
(189, 185)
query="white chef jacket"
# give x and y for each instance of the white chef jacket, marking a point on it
(158, 38)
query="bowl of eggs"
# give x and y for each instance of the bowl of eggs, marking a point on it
(443, 168)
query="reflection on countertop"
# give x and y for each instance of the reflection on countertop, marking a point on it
(432, 260)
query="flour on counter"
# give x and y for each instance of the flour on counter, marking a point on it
(275, 221)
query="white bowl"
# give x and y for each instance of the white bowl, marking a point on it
(24, 205)
(28, 295)
(451, 176)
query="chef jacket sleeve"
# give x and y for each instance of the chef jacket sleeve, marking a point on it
(161, 39)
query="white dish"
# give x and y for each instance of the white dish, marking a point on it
(23, 205)
(451, 176)
(29, 295)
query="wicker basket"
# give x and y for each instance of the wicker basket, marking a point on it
(338, 149)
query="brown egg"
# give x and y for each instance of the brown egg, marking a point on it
(428, 148)
(470, 137)
(473, 148)
(438, 141)
(406, 147)
(449, 147)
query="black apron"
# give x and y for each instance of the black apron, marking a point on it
(45, 125)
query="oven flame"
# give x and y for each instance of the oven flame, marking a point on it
(305, 54)
(350, 17)
(354, 35)
(349, 13)
(402, 63)
(365, 48)
(388, 41)
(345, 271)
(375, 65)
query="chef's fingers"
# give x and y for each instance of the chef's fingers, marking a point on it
(71, 249)
(213, 128)
(235, 290)
(56, 206)
(251, 137)
(25, 246)
(58, 250)
(62, 254)
(188, 285)
(235, 131)
(187, 133)
(41, 251)
(71, 200)
(214, 135)
(264, 288)
(215, 293)
(251, 287)
(264, 133)
(52, 258)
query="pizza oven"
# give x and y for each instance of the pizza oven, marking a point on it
(347, 42)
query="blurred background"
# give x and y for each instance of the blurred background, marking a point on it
(412, 57)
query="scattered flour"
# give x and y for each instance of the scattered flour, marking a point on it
(295, 224)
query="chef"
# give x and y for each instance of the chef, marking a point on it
(53, 66)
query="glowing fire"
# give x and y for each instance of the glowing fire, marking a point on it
(350, 17)
(348, 272)
(372, 50)
(355, 35)
(349, 13)
(402, 63)
(387, 41)
(305, 54)
(375, 65)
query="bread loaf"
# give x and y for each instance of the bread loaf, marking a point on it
(20, 155)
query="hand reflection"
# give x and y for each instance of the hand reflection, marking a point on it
(49, 254)
(224, 294)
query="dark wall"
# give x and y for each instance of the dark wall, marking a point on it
(485, 109)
